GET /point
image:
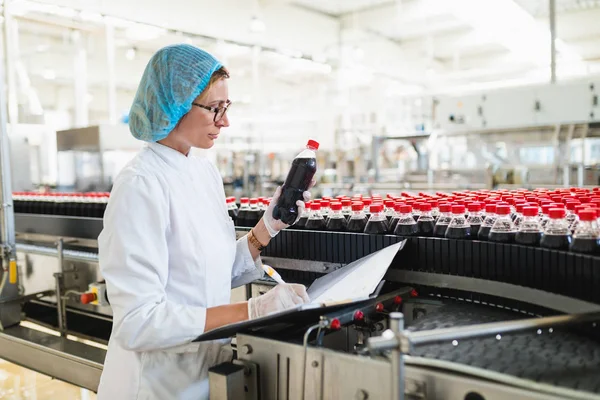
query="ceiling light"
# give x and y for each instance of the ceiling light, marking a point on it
(257, 25)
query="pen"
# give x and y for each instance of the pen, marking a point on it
(273, 274)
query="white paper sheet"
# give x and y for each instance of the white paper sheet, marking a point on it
(356, 280)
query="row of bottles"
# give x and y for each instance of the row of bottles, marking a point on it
(91, 205)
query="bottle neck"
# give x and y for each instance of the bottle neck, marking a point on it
(315, 214)
(377, 216)
(336, 214)
(357, 215)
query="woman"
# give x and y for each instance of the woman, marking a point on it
(168, 250)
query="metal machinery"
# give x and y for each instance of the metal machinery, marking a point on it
(453, 320)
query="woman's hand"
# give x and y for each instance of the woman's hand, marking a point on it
(274, 225)
(281, 297)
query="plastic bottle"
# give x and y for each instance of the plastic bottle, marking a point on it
(315, 222)
(488, 222)
(253, 216)
(571, 214)
(377, 223)
(504, 230)
(358, 219)
(262, 206)
(296, 183)
(416, 212)
(301, 224)
(242, 217)
(325, 210)
(439, 230)
(475, 218)
(530, 230)
(396, 217)
(367, 206)
(232, 209)
(458, 228)
(557, 234)
(519, 214)
(347, 208)
(435, 210)
(389, 210)
(336, 221)
(546, 214)
(586, 237)
(425, 223)
(406, 225)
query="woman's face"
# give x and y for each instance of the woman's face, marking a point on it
(197, 128)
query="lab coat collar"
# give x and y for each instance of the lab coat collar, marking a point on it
(170, 156)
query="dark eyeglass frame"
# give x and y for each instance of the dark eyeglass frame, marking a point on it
(221, 109)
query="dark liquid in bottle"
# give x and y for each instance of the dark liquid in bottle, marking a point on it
(528, 238)
(315, 225)
(406, 230)
(233, 214)
(475, 231)
(301, 224)
(416, 217)
(587, 246)
(392, 224)
(458, 233)
(556, 242)
(440, 230)
(425, 228)
(484, 233)
(296, 183)
(376, 227)
(242, 218)
(357, 225)
(337, 224)
(501, 237)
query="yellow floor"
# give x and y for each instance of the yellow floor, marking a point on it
(18, 383)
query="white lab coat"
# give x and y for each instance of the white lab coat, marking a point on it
(168, 252)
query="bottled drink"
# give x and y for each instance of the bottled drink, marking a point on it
(367, 206)
(242, 217)
(475, 218)
(458, 228)
(488, 222)
(336, 221)
(557, 235)
(253, 216)
(377, 223)
(425, 223)
(325, 210)
(504, 230)
(416, 211)
(389, 210)
(347, 208)
(406, 225)
(530, 230)
(358, 219)
(232, 209)
(439, 230)
(301, 224)
(435, 211)
(571, 214)
(394, 221)
(586, 237)
(296, 183)
(315, 222)
(262, 206)
(518, 214)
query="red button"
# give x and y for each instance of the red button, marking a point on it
(397, 300)
(359, 315)
(335, 324)
(414, 293)
(379, 307)
(87, 298)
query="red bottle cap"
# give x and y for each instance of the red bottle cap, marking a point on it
(313, 144)
(587, 215)
(445, 207)
(367, 201)
(520, 207)
(404, 209)
(425, 207)
(503, 210)
(244, 200)
(357, 206)
(253, 201)
(458, 209)
(557, 213)
(336, 206)
(389, 203)
(474, 207)
(315, 206)
(375, 208)
(346, 203)
(530, 211)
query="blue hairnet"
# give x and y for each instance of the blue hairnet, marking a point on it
(172, 80)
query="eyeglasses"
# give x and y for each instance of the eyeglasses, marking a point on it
(219, 111)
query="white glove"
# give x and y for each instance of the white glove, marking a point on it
(281, 297)
(274, 225)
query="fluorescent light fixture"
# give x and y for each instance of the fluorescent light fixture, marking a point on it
(505, 22)
(257, 25)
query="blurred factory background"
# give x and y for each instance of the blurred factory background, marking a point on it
(402, 94)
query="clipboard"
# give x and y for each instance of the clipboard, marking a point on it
(325, 289)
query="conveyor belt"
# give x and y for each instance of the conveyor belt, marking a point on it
(560, 357)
